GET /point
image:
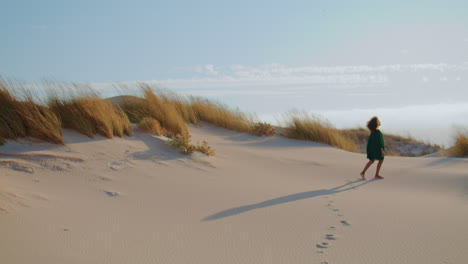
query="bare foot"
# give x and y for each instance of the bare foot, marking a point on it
(362, 176)
(378, 177)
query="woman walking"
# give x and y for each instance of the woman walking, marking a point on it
(375, 147)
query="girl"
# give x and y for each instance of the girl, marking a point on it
(375, 147)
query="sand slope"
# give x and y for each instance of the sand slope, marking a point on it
(259, 200)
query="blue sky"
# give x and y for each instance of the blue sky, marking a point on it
(103, 41)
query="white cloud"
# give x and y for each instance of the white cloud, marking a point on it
(210, 69)
(317, 74)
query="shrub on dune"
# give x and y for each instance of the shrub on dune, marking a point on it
(205, 149)
(460, 148)
(309, 127)
(261, 128)
(185, 147)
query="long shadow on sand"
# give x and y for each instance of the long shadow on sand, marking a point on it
(285, 199)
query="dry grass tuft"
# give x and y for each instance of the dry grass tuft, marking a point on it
(11, 125)
(205, 149)
(173, 111)
(183, 106)
(40, 122)
(161, 109)
(26, 118)
(220, 115)
(152, 125)
(460, 148)
(307, 127)
(90, 115)
(185, 147)
(134, 107)
(182, 144)
(260, 129)
(167, 114)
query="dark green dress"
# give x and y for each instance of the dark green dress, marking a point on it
(374, 144)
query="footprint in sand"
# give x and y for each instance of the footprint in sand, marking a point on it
(322, 245)
(330, 237)
(111, 194)
(345, 223)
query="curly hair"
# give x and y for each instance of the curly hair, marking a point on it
(373, 124)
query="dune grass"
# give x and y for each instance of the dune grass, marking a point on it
(309, 127)
(79, 109)
(160, 112)
(460, 147)
(134, 107)
(220, 115)
(11, 125)
(21, 118)
(170, 109)
(40, 122)
(185, 147)
(89, 114)
(262, 128)
(151, 125)
(165, 112)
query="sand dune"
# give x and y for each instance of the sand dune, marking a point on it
(258, 200)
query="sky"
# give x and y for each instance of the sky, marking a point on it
(342, 59)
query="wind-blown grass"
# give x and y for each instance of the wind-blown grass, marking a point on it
(170, 109)
(220, 115)
(165, 112)
(152, 125)
(460, 148)
(308, 127)
(40, 122)
(89, 114)
(11, 125)
(160, 112)
(20, 118)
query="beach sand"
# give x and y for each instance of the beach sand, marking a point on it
(258, 200)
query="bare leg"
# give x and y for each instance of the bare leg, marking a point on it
(365, 169)
(377, 171)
